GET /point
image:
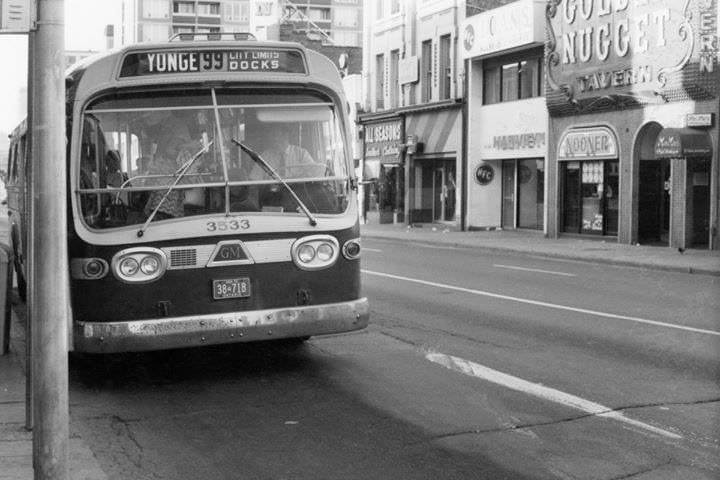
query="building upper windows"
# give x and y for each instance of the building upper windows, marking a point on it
(236, 11)
(184, 8)
(346, 17)
(156, 9)
(385, 8)
(507, 79)
(394, 80)
(318, 14)
(379, 81)
(208, 9)
(426, 73)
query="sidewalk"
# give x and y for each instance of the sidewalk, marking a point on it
(535, 244)
(16, 456)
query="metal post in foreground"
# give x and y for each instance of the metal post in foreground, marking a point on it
(48, 277)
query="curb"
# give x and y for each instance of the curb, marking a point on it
(546, 254)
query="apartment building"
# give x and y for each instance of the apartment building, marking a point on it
(412, 125)
(337, 22)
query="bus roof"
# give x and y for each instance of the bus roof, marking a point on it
(202, 61)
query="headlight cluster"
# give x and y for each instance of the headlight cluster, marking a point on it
(88, 268)
(351, 249)
(315, 252)
(139, 265)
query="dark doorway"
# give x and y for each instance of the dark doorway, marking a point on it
(654, 202)
(699, 171)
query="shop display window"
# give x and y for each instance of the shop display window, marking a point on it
(590, 197)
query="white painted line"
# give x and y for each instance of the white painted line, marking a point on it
(371, 249)
(551, 272)
(537, 390)
(543, 304)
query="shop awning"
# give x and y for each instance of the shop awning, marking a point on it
(682, 142)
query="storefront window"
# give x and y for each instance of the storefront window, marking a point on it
(590, 202)
(523, 193)
(531, 193)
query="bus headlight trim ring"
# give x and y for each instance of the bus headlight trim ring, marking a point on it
(315, 252)
(351, 249)
(139, 265)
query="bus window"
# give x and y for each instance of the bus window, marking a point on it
(177, 156)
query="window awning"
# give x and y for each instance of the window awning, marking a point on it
(682, 142)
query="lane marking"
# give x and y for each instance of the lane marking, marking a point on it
(537, 390)
(551, 272)
(371, 249)
(544, 304)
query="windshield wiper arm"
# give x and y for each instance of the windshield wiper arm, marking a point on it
(179, 173)
(271, 171)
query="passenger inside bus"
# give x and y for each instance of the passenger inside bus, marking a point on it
(172, 148)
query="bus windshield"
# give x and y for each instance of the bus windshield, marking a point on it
(173, 154)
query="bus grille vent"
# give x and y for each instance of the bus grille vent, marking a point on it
(183, 258)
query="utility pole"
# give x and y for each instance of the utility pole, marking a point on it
(49, 270)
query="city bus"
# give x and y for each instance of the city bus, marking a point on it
(211, 197)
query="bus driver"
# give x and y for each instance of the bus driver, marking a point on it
(288, 160)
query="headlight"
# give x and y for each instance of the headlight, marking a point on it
(315, 252)
(128, 267)
(306, 253)
(139, 265)
(149, 265)
(88, 268)
(351, 249)
(325, 252)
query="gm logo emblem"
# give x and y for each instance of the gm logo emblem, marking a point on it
(469, 37)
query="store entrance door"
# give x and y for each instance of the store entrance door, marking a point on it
(507, 217)
(444, 192)
(654, 202)
(699, 171)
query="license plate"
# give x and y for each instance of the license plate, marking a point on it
(231, 288)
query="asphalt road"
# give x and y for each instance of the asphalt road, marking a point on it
(475, 366)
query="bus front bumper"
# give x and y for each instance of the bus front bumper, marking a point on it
(198, 330)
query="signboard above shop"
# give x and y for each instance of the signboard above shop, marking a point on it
(408, 70)
(16, 16)
(384, 140)
(603, 54)
(514, 25)
(682, 143)
(595, 143)
(238, 60)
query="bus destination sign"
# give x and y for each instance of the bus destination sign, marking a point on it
(212, 61)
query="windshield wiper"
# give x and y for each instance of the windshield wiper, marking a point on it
(271, 171)
(179, 173)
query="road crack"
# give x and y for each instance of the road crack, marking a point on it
(396, 324)
(643, 471)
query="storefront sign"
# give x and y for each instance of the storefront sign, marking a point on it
(633, 49)
(383, 140)
(511, 132)
(509, 26)
(682, 142)
(484, 174)
(588, 143)
(699, 120)
(521, 141)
